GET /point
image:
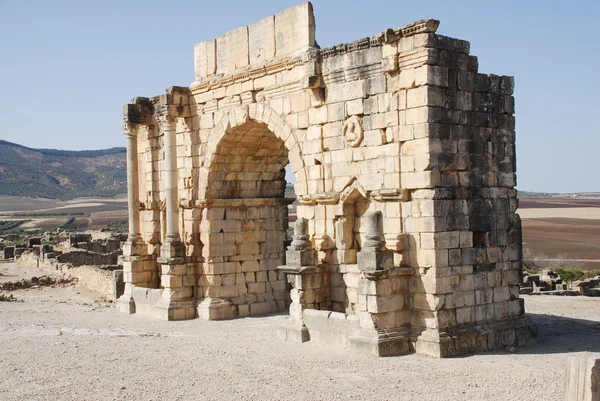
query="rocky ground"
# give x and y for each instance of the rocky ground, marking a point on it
(66, 343)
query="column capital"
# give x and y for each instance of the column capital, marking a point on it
(166, 120)
(131, 129)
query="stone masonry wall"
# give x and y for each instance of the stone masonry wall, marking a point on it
(400, 123)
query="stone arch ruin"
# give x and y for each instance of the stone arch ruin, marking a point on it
(407, 238)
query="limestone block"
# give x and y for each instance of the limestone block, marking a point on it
(375, 261)
(299, 102)
(354, 107)
(263, 308)
(215, 309)
(256, 288)
(293, 330)
(294, 29)
(582, 379)
(370, 342)
(265, 82)
(336, 112)
(381, 304)
(420, 179)
(301, 258)
(261, 40)
(345, 91)
(464, 315)
(205, 59)
(375, 85)
(317, 115)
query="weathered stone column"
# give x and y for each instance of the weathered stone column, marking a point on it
(306, 279)
(178, 277)
(373, 261)
(133, 195)
(135, 269)
(172, 245)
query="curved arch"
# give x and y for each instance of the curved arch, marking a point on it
(259, 113)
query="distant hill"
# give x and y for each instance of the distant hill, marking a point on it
(61, 174)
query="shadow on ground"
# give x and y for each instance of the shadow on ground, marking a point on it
(558, 334)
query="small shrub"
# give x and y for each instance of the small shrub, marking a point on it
(591, 273)
(569, 275)
(9, 298)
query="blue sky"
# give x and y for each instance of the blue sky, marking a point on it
(67, 67)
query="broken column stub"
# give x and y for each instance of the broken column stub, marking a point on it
(306, 281)
(373, 259)
(300, 252)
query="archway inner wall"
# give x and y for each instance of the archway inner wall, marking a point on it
(244, 225)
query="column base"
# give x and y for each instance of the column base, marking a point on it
(293, 331)
(514, 332)
(172, 250)
(135, 247)
(126, 304)
(174, 310)
(380, 342)
(215, 309)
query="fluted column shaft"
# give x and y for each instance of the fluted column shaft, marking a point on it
(171, 193)
(133, 196)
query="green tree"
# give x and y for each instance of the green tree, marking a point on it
(569, 275)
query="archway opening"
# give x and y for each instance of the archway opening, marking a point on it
(249, 162)
(244, 226)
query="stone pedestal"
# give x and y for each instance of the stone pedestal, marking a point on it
(380, 342)
(215, 309)
(172, 249)
(137, 271)
(306, 284)
(306, 280)
(178, 280)
(125, 304)
(373, 260)
(169, 309)
(378, 336)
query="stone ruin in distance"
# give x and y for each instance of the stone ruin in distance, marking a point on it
(407, 238)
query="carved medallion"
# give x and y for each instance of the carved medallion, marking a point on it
(353, 131)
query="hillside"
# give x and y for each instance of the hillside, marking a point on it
(61, 174)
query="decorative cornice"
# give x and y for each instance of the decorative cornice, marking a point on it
(389, 195)
(391, 35)
(327, 198)
(422, 26)
(215, 82)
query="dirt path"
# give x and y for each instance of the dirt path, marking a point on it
(66, 343)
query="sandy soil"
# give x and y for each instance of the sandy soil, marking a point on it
(67, 343)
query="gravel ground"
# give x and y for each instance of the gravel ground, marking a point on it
(69, 344)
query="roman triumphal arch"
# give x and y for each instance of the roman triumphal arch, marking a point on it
(406, 238)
